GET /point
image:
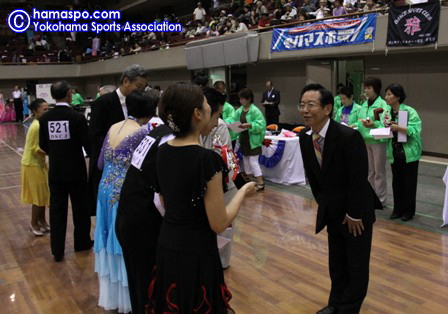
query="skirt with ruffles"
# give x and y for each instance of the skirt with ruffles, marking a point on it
(188, 283)
(109, 260)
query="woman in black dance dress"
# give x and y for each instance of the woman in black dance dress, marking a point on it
(188, 277)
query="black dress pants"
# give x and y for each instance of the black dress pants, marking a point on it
(138, 237)
(18, 107)
(349, 260)
(59, 193)
(404, 186)
(272, 119)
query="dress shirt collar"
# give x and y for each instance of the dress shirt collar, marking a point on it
(323, 131)
(62, 104)
(121, 96)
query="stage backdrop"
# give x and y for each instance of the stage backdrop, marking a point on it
(328, 33)
(415, 25)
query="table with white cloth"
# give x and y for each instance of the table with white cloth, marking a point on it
(286, 169)
(445, 207)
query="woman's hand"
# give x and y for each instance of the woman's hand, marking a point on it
(396, 128)
(41, 152)
(245, 126)
(368, 124)
(249, 189)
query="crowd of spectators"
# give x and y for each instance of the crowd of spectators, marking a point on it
(234, 17)
(231, 17)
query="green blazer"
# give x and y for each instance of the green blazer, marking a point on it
(366, 111)
(352, 118)
(413, 147)
(257, 131)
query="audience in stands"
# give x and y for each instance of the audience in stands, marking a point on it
(136, 48)
(228, 18)
(264, 21)
(320, 13)
(212, 32)
(240, 26)
(261, 9)
(307, 6)
(199, 13)
(96, 43)
(201, 29)
(303, 15)
(338, 8)
(370, 6)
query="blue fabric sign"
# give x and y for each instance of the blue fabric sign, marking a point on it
(328, 33)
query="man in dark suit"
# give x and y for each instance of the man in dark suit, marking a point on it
(336, 164)
(270, 101)
(62, 135)
(106, 111)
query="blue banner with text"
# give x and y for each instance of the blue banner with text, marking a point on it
(328, 33)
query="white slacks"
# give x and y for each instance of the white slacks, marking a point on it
(251, 165)
(377, 169)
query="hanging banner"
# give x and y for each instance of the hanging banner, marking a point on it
(327, 33)
(415, 25)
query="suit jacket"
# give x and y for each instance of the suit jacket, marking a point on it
(340, 187)
(106, 111)
(273, 97)
(64, 149)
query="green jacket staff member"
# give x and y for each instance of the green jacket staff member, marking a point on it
(376, 149)
(403, 157)
(77, 99)
(228, 110)
(227, 114)
(337, 100)
(251, 139)
(348, 113)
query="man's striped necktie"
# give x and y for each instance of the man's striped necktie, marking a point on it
(317, 149)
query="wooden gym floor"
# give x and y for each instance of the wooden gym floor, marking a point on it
(278, 265)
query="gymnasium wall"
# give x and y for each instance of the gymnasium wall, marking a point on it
(422, 71)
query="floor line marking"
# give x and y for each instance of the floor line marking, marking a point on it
(10, 187)
(434, 162)
(11, 148)
(8, 174)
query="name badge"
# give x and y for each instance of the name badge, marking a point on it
(58, 130)
(141, 151)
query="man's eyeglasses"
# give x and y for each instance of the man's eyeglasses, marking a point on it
(308, 106)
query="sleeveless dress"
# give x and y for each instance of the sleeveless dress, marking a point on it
(188, 277)
(109, 262)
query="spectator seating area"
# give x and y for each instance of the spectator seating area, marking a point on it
(230, 17)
